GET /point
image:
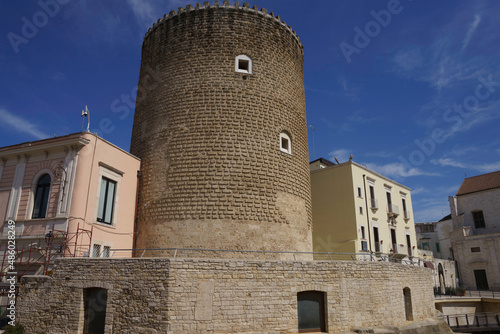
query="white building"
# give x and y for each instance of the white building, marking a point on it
(475, 212)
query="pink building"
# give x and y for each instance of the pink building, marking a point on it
(73, 195)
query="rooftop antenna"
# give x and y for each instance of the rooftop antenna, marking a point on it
(314, 146)
(85, 113)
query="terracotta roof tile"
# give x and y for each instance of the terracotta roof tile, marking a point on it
(479, 183)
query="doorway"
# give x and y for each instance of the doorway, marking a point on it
(481, 279)
(394, 241)
(408, 306)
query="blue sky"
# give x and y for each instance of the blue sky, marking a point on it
(410, 88)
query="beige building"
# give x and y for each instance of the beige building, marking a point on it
(475, 211)
(68, 196)
(356, 210)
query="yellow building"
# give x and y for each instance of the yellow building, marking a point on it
(356, 210)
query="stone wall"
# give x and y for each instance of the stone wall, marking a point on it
(213, 174)
(161, 295)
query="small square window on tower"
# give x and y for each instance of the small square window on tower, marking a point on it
(285, 143)
(243, 64)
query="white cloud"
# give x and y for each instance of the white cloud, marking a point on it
(488, 167)
(149, 11)
(21, 125)
(342, 155)
(398, 170)
(418, 190)
(432, 213)
(470, 32)
(459, 151)
(144, 11)
(447, 162)
(380, 154)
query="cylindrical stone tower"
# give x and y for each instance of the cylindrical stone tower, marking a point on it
(220, 126)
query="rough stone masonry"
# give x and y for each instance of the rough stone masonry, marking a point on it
(161, 295)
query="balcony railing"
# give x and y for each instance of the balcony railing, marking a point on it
(406, 214)
(373, 204)
(393, 210)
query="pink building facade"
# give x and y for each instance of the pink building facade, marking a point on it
(72, 196)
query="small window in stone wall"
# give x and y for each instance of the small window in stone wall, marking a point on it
(243, 64)
(311, 311)
(475, 249)
(95, 302)
(285, 143)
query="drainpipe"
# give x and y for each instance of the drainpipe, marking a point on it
(367, 216)
(136, 217)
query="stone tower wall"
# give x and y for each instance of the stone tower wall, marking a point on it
(213, 175)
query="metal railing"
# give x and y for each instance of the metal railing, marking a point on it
(471, 320)
(373, 203)
(465, 293)
(268, 255)
(393, 209)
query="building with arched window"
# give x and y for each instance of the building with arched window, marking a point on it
(69, 196)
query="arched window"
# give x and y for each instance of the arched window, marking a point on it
(243, 64)
(311, 311)
(285, 143)
(41, 197)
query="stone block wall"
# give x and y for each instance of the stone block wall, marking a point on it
(161, 295)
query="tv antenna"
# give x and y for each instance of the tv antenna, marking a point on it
(85, 113)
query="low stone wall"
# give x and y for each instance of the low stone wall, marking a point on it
(163, 295)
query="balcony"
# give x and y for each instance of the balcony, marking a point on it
(373, 204)
(392, 210)
(406, 215)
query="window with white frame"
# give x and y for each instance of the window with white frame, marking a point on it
(106, 251)
(360, 192)
(100, 250)
(96, 250)
(243, 64)
(106, 201)
(108, 190)
(285, 143)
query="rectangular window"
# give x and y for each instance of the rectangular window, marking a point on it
(408, 244)
(475, 249)
(478, 219)
(360, 210)
(363, 236)
(438, 250)
(364, 245)
(372, 198)
(360, 192)
(389, 201)
(405, 211)
(311, 311)
(376, 239)
(106, 201)
(106, 251)
(96, 250)
(394, 241)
